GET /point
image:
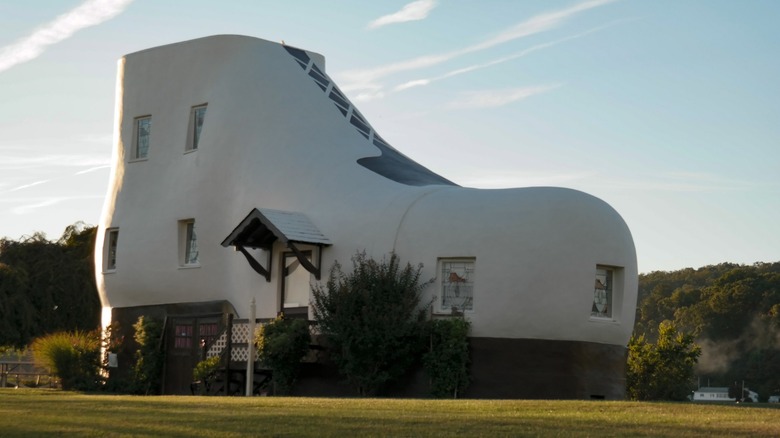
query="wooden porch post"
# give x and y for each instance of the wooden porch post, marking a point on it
(250, 359)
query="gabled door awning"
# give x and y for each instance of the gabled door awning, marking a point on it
(262, 227)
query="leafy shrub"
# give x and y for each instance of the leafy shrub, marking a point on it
(205, 373)
(206, 368)
(73, 357)
(112, 343)
(447, 360)
(149, 357)
(282, 343)
(372, 319)
(664, 370)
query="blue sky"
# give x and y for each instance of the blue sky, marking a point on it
(669, 110)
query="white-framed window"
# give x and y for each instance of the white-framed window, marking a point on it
(141, 135)
(109, 251)
(296, 283)
(456, 287)
(188, 243)
(607, 293)
(197, 117)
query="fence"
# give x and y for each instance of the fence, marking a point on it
(18, 373)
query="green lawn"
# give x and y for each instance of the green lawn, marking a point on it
(25, 412)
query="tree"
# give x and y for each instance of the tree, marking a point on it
(663, 370)
(149, 359)
(372, 319)
(46, 286)
(733, 312)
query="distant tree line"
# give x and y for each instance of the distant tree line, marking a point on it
(47, 286)
(731, 311)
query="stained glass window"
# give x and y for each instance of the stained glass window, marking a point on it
(457, 285)
(602, 294)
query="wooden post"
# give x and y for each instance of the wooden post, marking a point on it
(228, 353)
(250, 347)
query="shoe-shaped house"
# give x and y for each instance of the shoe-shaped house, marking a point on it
(231, 149)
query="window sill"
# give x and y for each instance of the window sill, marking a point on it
(449, 313)
(193, 266)
(189, 151)
(109, 271)
(603, 320)
(138, 160)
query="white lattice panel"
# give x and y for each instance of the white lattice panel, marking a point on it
(240, 332)
(240, 354)
(218, 346)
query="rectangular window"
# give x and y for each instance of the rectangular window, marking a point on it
(112, 237)
(297, 281)
(188, 243)
(142, 132)
(603, 293)
(207, 332)
(197, 116)
(182, 337)
(457, 285)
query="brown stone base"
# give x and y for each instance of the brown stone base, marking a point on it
(123, 319)
(507, 369)
(543, 369)
(500, 368)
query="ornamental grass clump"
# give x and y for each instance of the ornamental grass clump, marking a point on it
(74, 357)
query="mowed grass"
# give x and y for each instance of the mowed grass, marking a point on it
(50, 412)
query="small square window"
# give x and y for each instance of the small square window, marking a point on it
(197, 117)
(182, 337)
(457, 285)
(112, 237)
(188, 243)
(603, 293)
(142, 133)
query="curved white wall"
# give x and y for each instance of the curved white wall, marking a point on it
(273, 139)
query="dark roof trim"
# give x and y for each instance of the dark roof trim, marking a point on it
(262, 227)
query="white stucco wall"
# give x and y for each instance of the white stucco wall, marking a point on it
(272, 139)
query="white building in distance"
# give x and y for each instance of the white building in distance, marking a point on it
(233, 141)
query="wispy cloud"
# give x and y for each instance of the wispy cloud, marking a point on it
(684, 182)
(600, 181)
(101, 139)
(87, 14)
(92, 169)
(496, 98)
(30, 207)
(32, 184)
(51, 160)
(414, 11)
(367, 78)
(499, 180)
(522, 53)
